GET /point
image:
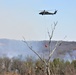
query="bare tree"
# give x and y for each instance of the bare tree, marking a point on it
(18, 66)
(46, 62)
(6, 63)
(1, 65)
(29, 65)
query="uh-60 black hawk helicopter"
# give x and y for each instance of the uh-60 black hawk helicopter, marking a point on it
(44, 12)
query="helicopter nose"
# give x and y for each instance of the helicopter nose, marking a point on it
(41, 13)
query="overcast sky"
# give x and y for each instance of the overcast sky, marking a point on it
(20, 18)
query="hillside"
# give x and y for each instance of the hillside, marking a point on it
(12, 48)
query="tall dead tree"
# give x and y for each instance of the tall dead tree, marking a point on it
(46, 62)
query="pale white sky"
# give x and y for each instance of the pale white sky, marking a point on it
(20, 18)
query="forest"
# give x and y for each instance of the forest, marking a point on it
(31, 66)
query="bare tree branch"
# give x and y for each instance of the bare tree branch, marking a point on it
(50, 37)
(53, 30)
(33, 50)
(57, 44)
(53, 50)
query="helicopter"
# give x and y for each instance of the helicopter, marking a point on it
(44, 12)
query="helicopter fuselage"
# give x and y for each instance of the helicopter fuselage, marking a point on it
(47, 13)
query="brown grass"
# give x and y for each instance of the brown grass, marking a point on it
(10, 73)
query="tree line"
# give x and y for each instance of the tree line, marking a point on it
(31, 66)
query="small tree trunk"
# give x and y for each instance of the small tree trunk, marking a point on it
(47, 70)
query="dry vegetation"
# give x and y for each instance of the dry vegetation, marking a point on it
(29, 66)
